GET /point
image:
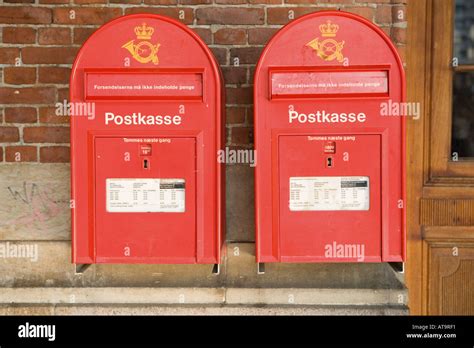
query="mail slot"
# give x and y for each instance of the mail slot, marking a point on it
(146, 125)
(329, 181)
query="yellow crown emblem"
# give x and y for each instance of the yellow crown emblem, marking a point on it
(143, 51)
(328, 49)
(329, 29)
(143, 32)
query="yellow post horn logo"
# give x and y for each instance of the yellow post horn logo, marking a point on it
(143, 51)
(328, 49)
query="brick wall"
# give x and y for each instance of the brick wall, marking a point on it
(40, 38)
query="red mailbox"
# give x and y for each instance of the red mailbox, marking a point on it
(330, 173)
(146, 125)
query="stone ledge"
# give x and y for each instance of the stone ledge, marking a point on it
(63, 309)
(206, 296)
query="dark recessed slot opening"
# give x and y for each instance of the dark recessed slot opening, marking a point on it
(329, 162)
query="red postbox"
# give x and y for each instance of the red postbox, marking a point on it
(329, 180)
(146, 125)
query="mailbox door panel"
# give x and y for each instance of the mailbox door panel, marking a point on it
(145, 200)
(330, 199)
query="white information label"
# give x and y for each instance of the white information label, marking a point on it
(145, 195)
(324, 193)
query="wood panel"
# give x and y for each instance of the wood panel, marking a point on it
(449, 258)
(447, 212)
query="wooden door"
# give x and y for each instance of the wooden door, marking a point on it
(440, 161)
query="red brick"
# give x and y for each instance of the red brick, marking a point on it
(20, 115)
(242, 135)
(335, 2)
(54, 75)
(1, 154)
(63, 94)
(29, 95)
(85, 15)
(161, 2)
(221, 54)
(54, 1)
(228, 136)
(195, 2)
(49, 55)
(230, 2)
(48, 115)
(366, 12)
(260, 36)
(19, 35)
(82, 34)
(54, 36)
(230, 15)
(402, 52)
(398, 35)
(386, 30)
(8, 55)
(246, 55)
(281, 15)
(90, 1)
(26, 14)
(205, 34)
(235, 115)
(399, 14)
(19, 75)
(173, 12)
(19, 1)
(383, 14)
(235, 75)
(9, 135)
(265, 1)
(251, 74)
(239, 95)
(55, 154)
(230, 36)
(249, 118)
(46, 134)
(20, 154)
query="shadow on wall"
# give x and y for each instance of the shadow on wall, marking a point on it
(240, 204)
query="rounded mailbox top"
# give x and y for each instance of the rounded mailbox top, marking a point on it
(144, 41)
(332, 39)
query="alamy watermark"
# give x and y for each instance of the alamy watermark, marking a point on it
(12, 250)
(237, 156)
(391, 108)
(28, 330)
(84, 109)
(345, 251)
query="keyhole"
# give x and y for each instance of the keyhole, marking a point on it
(145, 164)
(329, 162)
